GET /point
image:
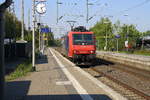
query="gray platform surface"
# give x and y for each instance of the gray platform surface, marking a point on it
(128, 56)
(50, 82)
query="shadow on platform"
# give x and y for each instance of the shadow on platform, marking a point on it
(67, 97)
(42, 59)
(18, 90)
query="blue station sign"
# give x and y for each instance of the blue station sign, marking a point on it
(117, 36)
(45, 30)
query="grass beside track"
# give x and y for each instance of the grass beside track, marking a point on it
(20, 71)
(146, 53)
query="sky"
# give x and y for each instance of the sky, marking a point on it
(137, 11)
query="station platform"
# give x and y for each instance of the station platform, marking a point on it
(56, 78)
(139, 61)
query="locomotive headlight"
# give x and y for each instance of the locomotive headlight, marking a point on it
(75, 51)
(92, 51)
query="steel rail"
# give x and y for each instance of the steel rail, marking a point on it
(145, 96)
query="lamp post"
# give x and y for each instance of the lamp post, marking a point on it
(87, 8)
(58, 3)
(39, 26)
(117, 37)
(117, 45)
(126, 15)
(142, 40)
(3, 8)
(33, 34)
(87, 16)
(127, 41)
(106, 39)
(22, 25)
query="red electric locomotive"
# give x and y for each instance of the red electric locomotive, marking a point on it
(79, 45)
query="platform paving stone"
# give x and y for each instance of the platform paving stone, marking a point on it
(49, 82)
(41, 85)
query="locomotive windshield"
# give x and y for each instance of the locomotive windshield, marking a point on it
(83, 39)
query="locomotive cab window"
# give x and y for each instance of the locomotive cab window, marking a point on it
(83, 39)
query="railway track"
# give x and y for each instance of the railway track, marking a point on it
(143, 75)
(139, 93)
(132, 83)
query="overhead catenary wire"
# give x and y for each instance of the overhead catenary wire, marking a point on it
(60, 15)
(125, 10)
(138, 5)
(133, 7)
(96, 2)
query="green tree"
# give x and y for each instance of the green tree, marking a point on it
(9, 25)
(146, 33)
(105, 26)
(130, 32)
(13, 27)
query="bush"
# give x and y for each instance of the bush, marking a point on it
(20, 71)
